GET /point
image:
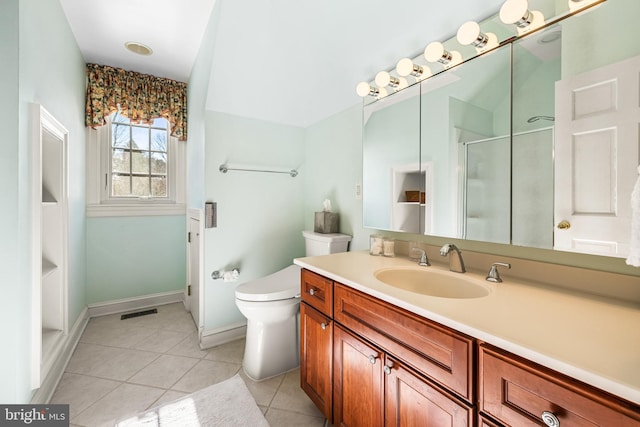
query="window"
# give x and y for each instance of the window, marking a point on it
(139, 156)
(134, 169)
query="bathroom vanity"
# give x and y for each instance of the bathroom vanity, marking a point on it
(524, 353)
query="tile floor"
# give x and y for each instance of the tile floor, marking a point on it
(122, 367)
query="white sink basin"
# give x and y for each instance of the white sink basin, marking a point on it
(432, 282)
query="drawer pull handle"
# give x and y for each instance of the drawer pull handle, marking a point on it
(372, 359)
(323, 326)
(550, 419)
(312, 291)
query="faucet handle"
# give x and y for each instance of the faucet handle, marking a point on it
(493, 275)
(424, 261)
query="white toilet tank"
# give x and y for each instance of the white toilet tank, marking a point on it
(325, 244)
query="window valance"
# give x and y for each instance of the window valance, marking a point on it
(140, 97)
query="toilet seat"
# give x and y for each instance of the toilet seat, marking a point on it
(283, 284)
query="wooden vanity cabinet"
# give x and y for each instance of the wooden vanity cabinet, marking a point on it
(518, 392)
(316, 340)
(372, 388)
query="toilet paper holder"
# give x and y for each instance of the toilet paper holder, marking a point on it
(227, 276)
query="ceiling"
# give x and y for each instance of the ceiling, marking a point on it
(294, 62)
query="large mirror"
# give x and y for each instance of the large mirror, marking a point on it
(533, 144)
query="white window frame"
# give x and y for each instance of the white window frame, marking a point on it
(100, 203)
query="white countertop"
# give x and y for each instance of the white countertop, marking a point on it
(595, 340)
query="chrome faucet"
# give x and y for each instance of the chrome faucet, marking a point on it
(493, 275)
(455, 257)
(424, 261)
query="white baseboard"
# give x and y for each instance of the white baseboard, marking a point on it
(135, 303)
(50, 382)
(224, 335)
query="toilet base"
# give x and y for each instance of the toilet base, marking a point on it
(271, 349)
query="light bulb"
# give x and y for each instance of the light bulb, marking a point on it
(383, 79)
(516, 12)
(435, 52)
(363, 89)
(406, 67)
(469, 34)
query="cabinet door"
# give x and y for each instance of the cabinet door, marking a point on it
(411, 401)
(316, 331)
(357, 382)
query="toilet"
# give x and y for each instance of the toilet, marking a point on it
(271, 305)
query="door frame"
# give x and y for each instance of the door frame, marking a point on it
(198, 215)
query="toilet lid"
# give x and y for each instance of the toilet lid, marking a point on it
(283, 284)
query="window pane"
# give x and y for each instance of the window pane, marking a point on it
(120, 185)
(140, 162)
(140, 186)
(158, 163)
(119, 118)
(119, 135)
(158, 140)
(160, 122)
(140, 136)
(159, 186)
(120, 161)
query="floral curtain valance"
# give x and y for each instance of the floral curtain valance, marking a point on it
(140, 97)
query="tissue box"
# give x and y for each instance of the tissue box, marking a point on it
(325, 222)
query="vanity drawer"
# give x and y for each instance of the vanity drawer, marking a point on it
(437, 352)
(518, 392)
(317, 291)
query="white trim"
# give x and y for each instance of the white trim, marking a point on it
(98, 202)
(50, 382)
(109, 210)
(197, 214)
(223, 335)
(135, 303)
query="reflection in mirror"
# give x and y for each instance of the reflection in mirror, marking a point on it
(391, 134)
(465, 150)
(560, 178)
(586, 87)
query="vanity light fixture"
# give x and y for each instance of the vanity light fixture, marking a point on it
(384, 79)
(469, 34)
(517, 12)
(435, 52)
(364, 89)
(406, 67)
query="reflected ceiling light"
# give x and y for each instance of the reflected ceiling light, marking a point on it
(139, 48)
(469, 34)
(579, 4)
(435, 52)
(406, 67)
(365, 89)
(517, 12)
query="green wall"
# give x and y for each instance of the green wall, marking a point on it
(41, 63)
(134, 256)
(260, 216)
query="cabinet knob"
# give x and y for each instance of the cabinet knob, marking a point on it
(312, 291)
(387, 370)
(564, 225)
(550, 419)
(323, 326)
(372, 359)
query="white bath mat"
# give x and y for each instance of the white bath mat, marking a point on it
(228, 403)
